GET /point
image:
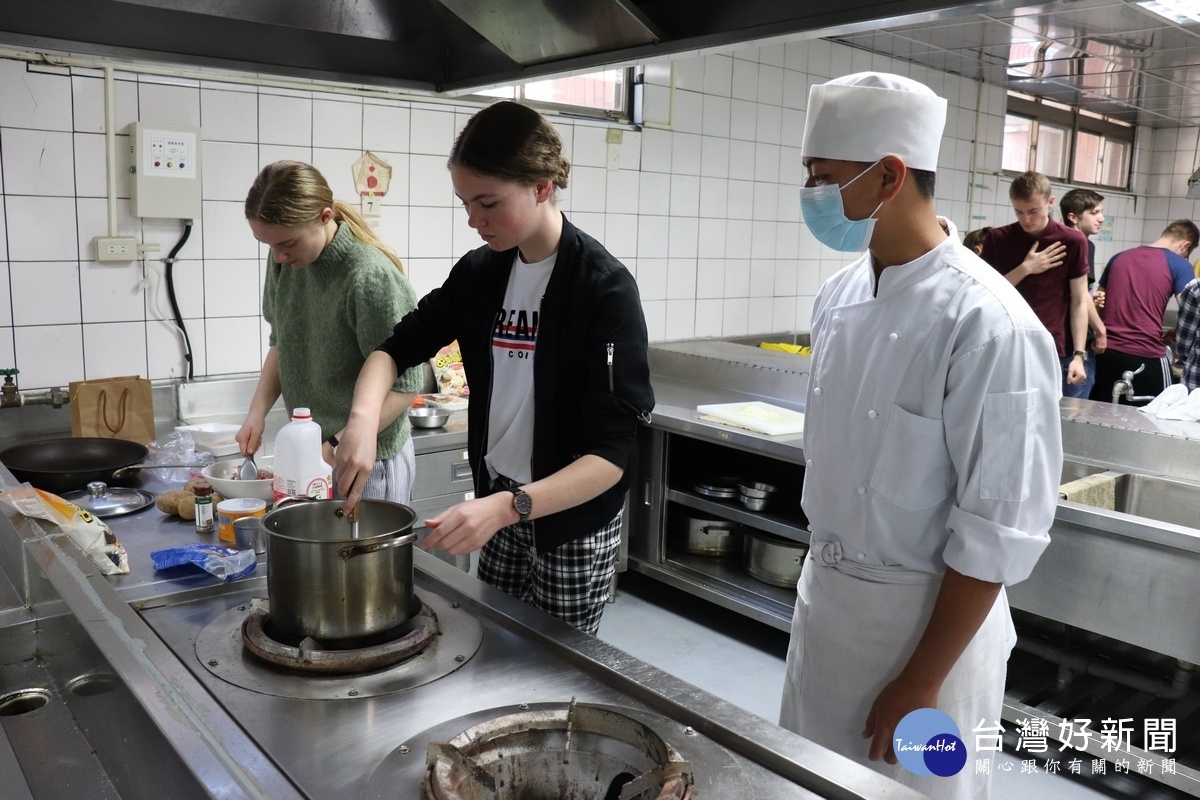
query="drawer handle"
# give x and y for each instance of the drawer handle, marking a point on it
(460, 472)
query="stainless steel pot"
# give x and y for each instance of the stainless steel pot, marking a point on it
(773, 559)
(324, 584)
(705, 537)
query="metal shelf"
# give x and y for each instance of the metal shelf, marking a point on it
(723, 581)
(732, 510)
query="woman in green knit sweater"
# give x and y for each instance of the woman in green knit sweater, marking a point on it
(333, 292)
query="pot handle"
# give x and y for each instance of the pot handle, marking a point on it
(351, 550)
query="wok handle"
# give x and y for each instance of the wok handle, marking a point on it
(351, 550)
(132, 470)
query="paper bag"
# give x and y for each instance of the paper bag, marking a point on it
(113, 408)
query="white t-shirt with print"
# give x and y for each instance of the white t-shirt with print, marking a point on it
(514, 341)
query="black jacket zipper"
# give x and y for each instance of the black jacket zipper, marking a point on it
(611, 387)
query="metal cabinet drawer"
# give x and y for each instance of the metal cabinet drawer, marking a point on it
(447, 472)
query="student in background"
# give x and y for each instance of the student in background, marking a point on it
(1083, 210)
(974, 240)
(1047, 262)
(1139, 283)
(1187, 334)
(333, 289)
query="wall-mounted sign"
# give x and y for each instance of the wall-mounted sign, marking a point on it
(372, 177)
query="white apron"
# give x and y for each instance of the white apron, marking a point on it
(853, 630)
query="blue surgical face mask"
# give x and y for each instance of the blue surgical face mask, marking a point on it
(826, 218)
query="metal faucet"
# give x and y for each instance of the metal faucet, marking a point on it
(1124, 388)
(10, 397)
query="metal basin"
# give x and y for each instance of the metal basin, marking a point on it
(1161, 499)
(1149, 496)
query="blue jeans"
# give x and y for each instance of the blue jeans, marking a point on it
(1084, 388)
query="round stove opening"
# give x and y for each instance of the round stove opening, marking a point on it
(23, 701)
(338, 656)
(575, 752)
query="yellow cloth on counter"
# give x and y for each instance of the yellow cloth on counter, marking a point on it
(784, 347)
(1098, 491)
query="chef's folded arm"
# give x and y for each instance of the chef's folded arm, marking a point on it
(1004, 437)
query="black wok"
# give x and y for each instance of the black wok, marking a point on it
(60, 465)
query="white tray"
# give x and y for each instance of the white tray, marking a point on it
(756, 416)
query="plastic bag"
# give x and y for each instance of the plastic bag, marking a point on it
(224, 562)
(177, 448)
(90, 533)
(448, 371)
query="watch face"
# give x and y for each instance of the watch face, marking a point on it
(522, 502)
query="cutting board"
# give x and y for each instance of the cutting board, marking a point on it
(756, 416)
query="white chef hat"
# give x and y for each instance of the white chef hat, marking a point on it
(869, 115)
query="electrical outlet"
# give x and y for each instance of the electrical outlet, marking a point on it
(115, 248)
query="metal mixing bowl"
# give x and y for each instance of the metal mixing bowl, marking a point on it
(428, 417)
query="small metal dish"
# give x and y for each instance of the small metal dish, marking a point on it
(719, 488)
(754, 503)
(428, 417)
(755, 490)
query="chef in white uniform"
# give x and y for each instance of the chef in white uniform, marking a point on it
(932, 442)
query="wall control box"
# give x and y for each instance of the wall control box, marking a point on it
(165, 167)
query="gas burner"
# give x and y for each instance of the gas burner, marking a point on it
(241, 647)
(568, 751)
(338, 657)
(580, 751)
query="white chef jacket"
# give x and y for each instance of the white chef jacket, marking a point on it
(932, 432)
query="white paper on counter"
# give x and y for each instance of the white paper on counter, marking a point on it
(756, 416)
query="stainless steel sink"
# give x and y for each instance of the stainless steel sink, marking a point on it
(1148, 496)
(70, 727)
(1159, 499)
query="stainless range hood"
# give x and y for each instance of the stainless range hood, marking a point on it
(430, 45)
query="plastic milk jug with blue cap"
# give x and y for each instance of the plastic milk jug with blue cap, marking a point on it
(299, 469)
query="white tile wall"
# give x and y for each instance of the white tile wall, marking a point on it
(229, 113)
(114, 348)
(705, 212)
(38, 162)
(44, 292)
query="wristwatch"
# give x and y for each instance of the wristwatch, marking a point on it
(523, 503)
(1081, 353)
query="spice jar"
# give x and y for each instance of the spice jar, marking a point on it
(204, 507)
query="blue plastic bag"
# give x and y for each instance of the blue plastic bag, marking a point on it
(224, 562)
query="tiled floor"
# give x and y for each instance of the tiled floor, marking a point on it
(742, 661)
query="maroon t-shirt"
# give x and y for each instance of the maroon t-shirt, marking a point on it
(1048, 293)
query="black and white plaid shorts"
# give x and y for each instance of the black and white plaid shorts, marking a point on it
(571, 581)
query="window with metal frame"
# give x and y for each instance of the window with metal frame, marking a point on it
(597, 94)
(1066, 144)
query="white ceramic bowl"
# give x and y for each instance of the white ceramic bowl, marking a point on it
(220, 476)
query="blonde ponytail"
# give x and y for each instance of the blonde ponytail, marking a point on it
(292, 194)
(344, 212)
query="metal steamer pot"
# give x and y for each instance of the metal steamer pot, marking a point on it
(773, 559)
(323, 583)
(705, 537)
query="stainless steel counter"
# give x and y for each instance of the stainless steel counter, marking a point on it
(206, 737)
